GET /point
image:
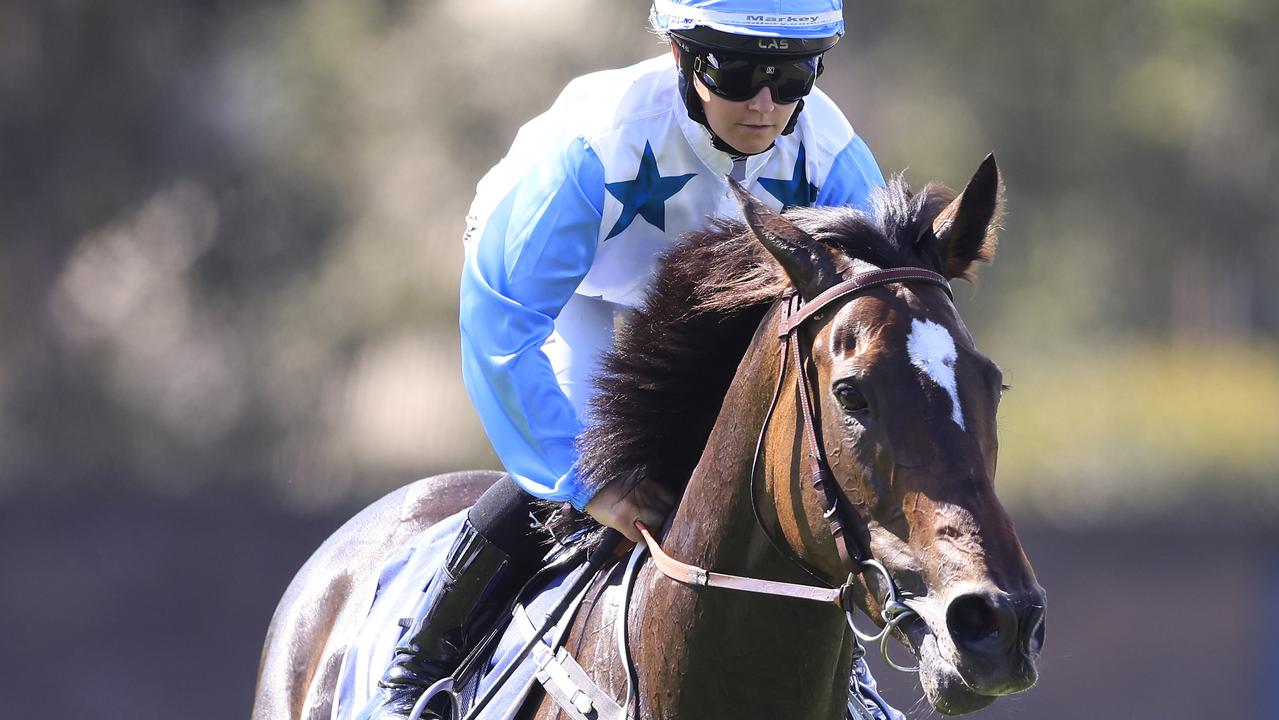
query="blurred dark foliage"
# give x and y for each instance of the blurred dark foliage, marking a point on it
(229, 231)
(102, 106)
(229, 242)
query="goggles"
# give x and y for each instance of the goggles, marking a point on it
(739, 77)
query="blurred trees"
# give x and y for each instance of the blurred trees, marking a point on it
(229, 232)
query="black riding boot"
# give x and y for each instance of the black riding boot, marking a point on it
(456, 612)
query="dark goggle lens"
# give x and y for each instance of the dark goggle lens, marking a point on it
(740, 78)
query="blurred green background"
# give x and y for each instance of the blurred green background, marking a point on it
(230, 240)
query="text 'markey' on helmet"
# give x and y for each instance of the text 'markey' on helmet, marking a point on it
(805, 27)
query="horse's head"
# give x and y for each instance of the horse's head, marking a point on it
(906, 406)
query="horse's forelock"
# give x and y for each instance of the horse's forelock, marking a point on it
(729, 269)
(886, 234)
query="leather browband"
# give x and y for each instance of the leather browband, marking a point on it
(858, 283)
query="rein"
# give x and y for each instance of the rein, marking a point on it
(838, 511)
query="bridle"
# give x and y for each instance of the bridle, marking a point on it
(853, 553)
(838, 511)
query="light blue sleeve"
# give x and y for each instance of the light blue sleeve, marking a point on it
(853, 174)
(530, 255)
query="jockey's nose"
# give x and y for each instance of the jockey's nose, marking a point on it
(762, 102)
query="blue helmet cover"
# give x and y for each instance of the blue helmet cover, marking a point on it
(801, 19)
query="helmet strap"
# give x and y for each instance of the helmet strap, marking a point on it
(794, 118)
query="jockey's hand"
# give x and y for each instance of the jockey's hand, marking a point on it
(621, 502)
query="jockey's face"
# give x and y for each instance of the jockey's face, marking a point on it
(751, 125)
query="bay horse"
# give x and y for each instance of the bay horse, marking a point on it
(701, 392)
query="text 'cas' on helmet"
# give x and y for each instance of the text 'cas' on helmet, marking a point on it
(799, 27)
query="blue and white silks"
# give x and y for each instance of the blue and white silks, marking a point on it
(564, 234)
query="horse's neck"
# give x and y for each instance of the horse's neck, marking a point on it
(716, 653)
(714, 525)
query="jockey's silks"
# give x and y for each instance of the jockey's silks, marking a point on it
(589, 194)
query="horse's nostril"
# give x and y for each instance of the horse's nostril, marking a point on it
(973, 621)
(1035, 638)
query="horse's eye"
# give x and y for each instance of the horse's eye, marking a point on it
(850, 397)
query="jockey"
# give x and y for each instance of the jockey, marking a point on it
(561, 241)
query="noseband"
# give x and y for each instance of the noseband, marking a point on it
(838, 511)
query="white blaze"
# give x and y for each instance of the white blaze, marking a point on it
(932, 350)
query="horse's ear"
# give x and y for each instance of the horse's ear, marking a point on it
(809, 264)
(965, 232)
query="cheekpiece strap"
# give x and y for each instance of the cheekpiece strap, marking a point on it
(852, 551)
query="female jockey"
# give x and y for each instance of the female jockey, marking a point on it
(561, 241)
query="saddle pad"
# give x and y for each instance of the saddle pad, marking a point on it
(400, 587)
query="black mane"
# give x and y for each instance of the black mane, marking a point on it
(660, 388)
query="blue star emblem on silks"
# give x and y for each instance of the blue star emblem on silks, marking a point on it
(646, 195)
(797, 190)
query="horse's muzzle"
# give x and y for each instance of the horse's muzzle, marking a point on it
(997, 637)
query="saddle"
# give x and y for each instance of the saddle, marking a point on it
(525, 649)
(494, 680)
